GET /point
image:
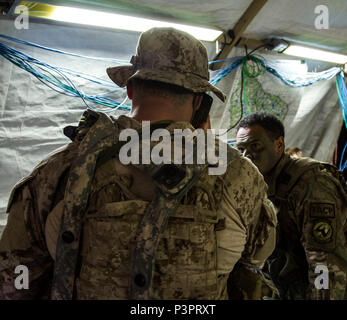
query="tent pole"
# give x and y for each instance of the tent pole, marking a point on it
(234, 35)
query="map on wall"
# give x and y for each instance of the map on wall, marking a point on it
(256, 100)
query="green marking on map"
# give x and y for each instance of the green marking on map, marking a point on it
(257, 100)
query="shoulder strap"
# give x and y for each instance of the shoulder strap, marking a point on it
(103, 134)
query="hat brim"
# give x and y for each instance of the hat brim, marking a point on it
(122, 74)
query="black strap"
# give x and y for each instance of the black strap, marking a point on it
(173, 183)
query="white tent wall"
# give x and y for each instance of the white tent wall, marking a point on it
(32, 115)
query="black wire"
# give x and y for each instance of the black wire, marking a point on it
(224, 44)
(257, 48)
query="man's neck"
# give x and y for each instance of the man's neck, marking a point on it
(160, 108)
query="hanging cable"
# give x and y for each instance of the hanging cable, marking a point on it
(343, 166)
(56, 79)
(342, 94)
(28, 43)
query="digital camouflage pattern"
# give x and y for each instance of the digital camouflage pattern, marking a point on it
(312, 212)
(102, 134)
(185, 262)
(221, 220)
(171, 56)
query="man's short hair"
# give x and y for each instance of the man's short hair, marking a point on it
(272, 125)
(157, 88)
(158, 85)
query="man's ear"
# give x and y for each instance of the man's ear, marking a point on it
(197, 101)
(130, 91)
(279, 143)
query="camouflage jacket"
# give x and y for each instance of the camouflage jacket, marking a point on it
(312, 209)
(237, 198)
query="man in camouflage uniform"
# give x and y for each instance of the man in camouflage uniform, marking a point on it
(75, 221)
(311, 203)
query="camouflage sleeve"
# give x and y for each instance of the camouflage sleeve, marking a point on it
(250, 219)
(25, 265)
(320, 211)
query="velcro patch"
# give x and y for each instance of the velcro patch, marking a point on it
(322, 231)
(322, 210)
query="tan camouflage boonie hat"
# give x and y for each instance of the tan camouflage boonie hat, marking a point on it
(171, 56)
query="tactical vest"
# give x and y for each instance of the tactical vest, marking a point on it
(109, 215)
(287, 266)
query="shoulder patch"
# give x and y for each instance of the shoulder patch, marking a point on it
(322, 210)
(322, 231)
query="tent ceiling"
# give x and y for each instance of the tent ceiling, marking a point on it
(292, 19)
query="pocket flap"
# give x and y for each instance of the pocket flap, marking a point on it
(118, 209)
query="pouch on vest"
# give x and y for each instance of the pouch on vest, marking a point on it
(185, 260)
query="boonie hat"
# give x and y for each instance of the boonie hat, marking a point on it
(171, 56)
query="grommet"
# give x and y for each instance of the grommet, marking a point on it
(140, 280)
(68, 236)
(169, 175)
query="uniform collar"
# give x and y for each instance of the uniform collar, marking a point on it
(127, 122)
(272, 178)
